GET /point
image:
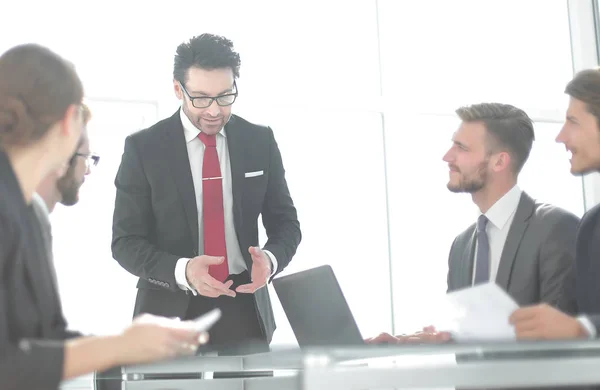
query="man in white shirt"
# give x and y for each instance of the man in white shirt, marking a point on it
(526, 247)
(581, 136)
(190, 191)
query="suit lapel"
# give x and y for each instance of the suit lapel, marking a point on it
(235, 146)
(179, 162)
(513, 240)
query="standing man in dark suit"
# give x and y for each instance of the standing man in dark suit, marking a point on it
(581, 136)
(526, 247)
(190, 190)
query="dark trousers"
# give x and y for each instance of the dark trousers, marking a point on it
(238, 332)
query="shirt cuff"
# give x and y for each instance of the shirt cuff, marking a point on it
(180, 277)
(273, 261)
(588, 326)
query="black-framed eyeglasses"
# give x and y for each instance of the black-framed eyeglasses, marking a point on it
(91, 159)
(226, 99)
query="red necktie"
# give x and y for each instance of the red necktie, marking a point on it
(212, 207)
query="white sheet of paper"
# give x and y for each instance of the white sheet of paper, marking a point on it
(480, 313)
(200, 324)
(204, 322)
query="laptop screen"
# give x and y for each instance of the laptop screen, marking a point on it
(315, 306)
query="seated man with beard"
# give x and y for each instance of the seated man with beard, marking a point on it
(63, 187)
(526, 247)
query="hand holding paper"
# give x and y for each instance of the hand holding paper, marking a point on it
(481, 312)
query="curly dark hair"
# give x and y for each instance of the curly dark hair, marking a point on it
(206, 51)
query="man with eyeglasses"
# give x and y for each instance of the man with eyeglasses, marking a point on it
(190, 190)
(63, 187)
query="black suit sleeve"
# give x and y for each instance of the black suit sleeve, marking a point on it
(132, 222)
(557, 263)
(278, 212)
(24, 364)
(61, 332)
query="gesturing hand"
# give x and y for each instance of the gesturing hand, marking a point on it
(261, 270)
(197, 275)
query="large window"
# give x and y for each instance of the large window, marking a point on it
(360, 95)
(335, 172)
(437, 56)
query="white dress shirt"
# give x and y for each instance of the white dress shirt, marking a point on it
(195, 149)
(500, 217)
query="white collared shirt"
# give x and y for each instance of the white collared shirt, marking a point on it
(500, 217)
(195, 149)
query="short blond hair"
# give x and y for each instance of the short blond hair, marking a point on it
(508, 126)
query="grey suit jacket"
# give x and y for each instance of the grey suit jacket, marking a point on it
(537, 262)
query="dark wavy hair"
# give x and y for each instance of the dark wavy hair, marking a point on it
(206, 51)
(585, 86)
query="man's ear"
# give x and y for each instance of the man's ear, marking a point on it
(71, 120)
(177, 89)
(502, 162)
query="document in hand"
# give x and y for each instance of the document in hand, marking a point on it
(204, 322)
(480, 313)
(200, 324)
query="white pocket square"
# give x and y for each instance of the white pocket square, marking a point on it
(254, 174)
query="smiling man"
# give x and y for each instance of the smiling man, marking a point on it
(190, 190)
(525, 246)
(581, 136)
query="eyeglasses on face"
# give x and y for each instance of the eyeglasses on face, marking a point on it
(91, 159)
(224, 100)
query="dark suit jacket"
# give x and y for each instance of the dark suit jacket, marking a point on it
(28, 301)
(588, 266)
(156, 219)
(537, 262)
(60, 323)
